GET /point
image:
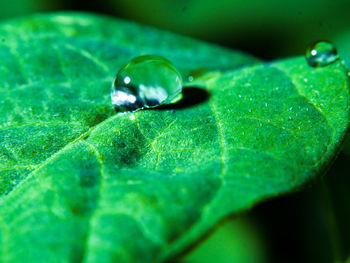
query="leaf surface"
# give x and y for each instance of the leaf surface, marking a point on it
(81, 183)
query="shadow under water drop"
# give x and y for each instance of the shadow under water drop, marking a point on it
(191, 96)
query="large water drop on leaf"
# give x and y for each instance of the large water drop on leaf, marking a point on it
(146, 81)
(321, 54)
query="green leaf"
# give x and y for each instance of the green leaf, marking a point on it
(82, 183)
(68, 62)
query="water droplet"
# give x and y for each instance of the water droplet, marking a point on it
(146, 81)
(194, 74)
(321, 54)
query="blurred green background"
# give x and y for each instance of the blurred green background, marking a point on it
(309, 226)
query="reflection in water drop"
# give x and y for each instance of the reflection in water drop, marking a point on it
(146, 81)
(321, 54)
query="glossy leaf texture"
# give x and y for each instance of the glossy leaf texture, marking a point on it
(81, 183)
(57, 72)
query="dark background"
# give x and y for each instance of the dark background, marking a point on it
(309, 226)
(268, 29)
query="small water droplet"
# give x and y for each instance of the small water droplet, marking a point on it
(144, 82)
(321, 54)
(194, 74)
